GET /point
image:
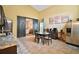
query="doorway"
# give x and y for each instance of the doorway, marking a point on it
(32, 25)
(29, 26)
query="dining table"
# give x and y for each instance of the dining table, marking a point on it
(40, 36)
(42, 33)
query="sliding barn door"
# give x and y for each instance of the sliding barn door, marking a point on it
(21, 26)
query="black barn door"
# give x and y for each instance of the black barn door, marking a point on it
(21, 26)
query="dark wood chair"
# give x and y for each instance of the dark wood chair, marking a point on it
(54, 33)
(37, 38)
(47, 39)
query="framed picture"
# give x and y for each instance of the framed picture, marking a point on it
(55, 19)
(58, 19)
(65, 19)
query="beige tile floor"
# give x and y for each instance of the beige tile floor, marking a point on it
(57, 47)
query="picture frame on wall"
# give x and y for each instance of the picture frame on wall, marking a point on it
(65, 19)
(58, 19)
(55, 20)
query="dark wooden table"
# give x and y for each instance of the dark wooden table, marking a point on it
(40, 36)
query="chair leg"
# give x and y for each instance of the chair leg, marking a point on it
(43, 41)
(35, 39)
(38, 40)
(48, 42)
(51, 41)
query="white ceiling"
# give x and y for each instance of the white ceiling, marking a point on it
(40, 7)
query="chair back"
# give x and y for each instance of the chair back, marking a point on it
(54, 33)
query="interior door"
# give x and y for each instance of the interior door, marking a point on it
(21, 26)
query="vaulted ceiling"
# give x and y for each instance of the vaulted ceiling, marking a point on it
(40, 7)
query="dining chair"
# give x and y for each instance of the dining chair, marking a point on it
(54, 33)
(48, 39)
(36, 38)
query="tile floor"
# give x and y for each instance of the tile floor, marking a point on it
(26, 45)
